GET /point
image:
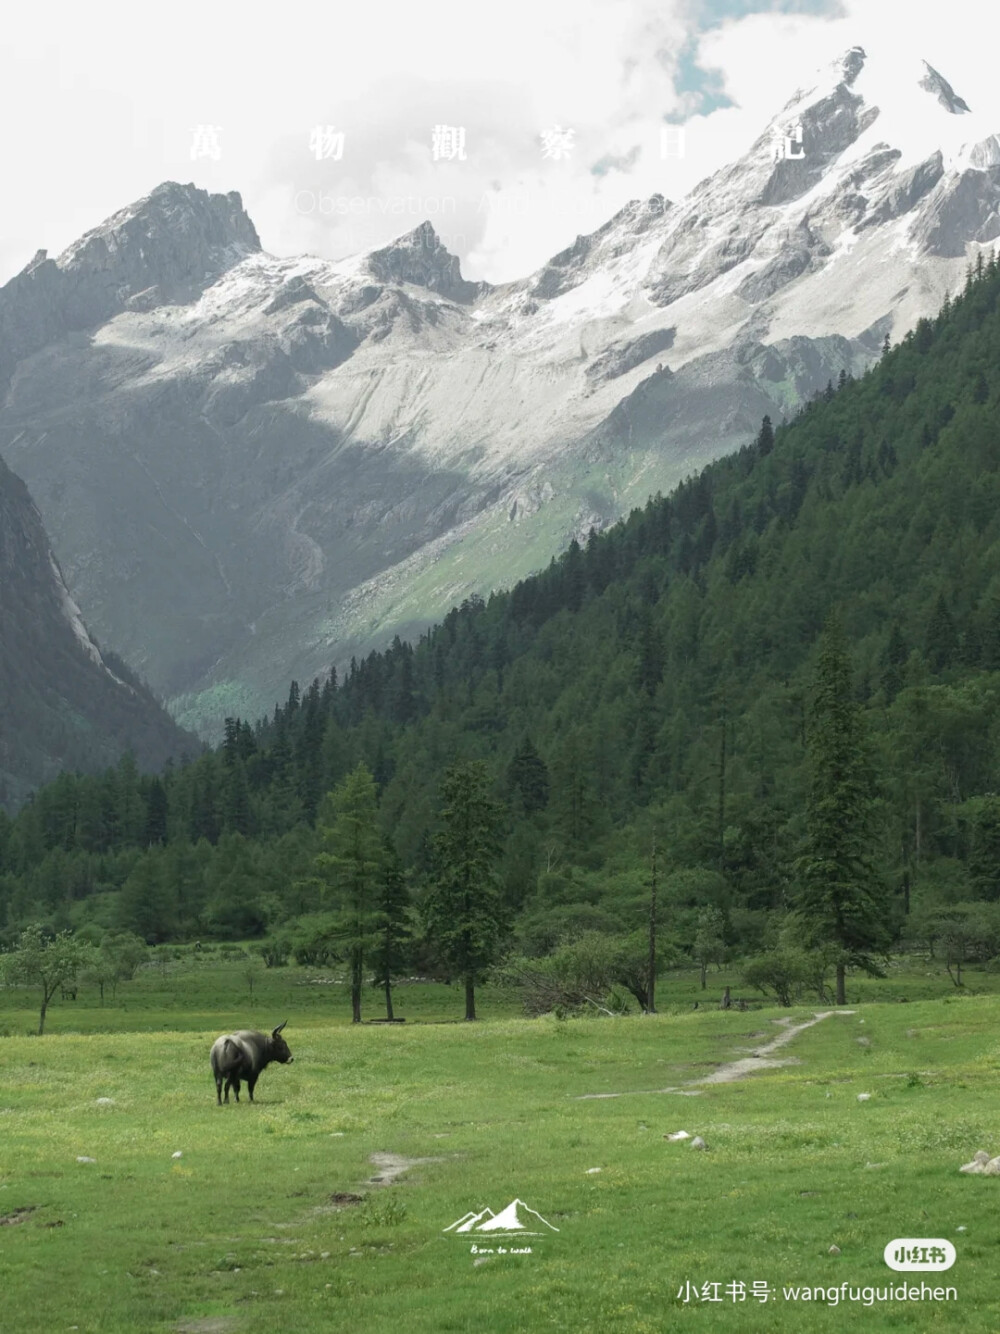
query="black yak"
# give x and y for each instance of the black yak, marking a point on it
(244, 1055)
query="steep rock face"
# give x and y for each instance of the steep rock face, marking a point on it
(253, 467)
(63, 704)
(168, 248)
(422, 259)
(970, 210)
(623, 357)
(935, 83)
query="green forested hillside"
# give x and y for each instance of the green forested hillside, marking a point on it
(654, 682)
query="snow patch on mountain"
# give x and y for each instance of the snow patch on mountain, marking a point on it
(82, 635)
(337, 449)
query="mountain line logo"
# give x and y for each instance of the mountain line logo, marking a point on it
(517, 1220)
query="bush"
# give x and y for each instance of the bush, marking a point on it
(275, 952)
(595, 971)
(782, 973)
(232, 952)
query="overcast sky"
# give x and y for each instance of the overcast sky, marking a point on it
(100, 102)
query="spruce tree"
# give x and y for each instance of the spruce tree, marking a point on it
(942, 636)
(765, 437)
(573, 578)
(156, 814)
(895, 657)
(236, 814)
(649, 668)
(350, 864)
(840, 898)
(528, 775)
(392, 934)
(464, 908)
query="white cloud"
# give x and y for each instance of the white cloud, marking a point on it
(98, 109)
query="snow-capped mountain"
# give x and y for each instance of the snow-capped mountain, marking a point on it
(252, 467)
(63, 703)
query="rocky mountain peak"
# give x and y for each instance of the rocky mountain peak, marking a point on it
(851, 63)
(933, 82)
(420, 257)
(175, 236)
(323, 434)
(166, 247)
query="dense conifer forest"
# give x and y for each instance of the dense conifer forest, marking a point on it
(660, 685)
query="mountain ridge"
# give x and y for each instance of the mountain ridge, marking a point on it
(331, 453)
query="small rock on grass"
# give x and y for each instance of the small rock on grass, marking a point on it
(178, 1154)
(698, 1143)
(834, 1250)
(992, 1168)
(678, 1134)
(980, 1159)
(104, 1102)
(82, 1159)
(864, 1097)
(591, 1170)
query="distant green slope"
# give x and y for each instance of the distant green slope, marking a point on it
(659, 676)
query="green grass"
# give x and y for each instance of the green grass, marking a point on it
(205, 989)
(241, 1228)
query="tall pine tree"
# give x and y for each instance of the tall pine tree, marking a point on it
(464, 908)
(392, 934)
(350, 863)
(840, 897)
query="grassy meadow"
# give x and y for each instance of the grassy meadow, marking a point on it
(253, 1228)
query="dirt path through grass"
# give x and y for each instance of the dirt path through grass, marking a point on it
(732, 1071)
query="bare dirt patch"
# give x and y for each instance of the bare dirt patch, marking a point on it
(342, 1198)
(17, 1215)
(391, 1166)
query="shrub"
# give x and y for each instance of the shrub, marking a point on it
(782, 973)
(595, 971)
(275, 952)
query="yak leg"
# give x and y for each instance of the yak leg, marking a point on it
(235, 1082)
(251, 1081)
(218, 1090)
